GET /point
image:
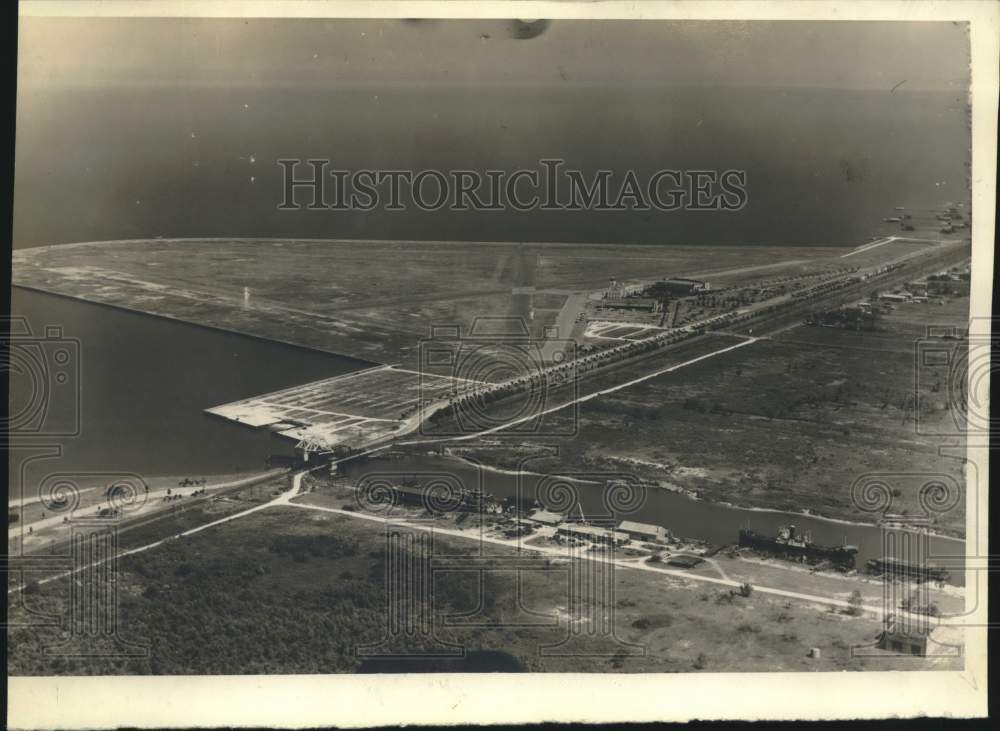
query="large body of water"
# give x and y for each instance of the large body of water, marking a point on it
(144, 383)
(823, 166)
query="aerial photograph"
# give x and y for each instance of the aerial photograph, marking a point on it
(402, 345)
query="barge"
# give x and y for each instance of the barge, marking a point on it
(894, 568)
(788, 544)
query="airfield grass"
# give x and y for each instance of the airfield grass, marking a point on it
(287, 590)
(368, 299)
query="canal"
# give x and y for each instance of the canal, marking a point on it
(682, 515)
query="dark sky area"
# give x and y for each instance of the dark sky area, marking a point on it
(331, 53)
(172, 127)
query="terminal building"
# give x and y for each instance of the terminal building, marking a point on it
(617, 291)
(948, 284)
(681, 287)
(644, 531)
(634, 303)
(593, 534)
(546, 517)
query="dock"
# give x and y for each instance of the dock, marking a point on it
(355, 410)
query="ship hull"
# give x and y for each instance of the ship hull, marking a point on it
(811, 552)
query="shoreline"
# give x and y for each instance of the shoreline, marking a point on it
(362, 362)
(156, 483)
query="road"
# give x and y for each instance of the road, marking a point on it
(787, 318)
(286, 497)
(586, 397)
(282, 499)
(25, 502)
(148, 503)
(561, 553)
(792, 316)
(279, 500)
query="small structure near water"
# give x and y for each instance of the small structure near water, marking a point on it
(684, 562)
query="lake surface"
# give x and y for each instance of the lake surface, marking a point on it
(177, 160)
(145, 381)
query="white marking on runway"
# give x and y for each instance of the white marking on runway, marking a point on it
(291, 407)
(873, 245)
(436, 375)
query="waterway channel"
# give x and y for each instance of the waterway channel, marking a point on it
(683, 516)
